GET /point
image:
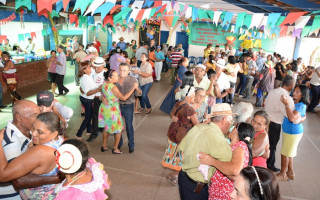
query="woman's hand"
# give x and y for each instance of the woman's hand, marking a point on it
(136, 85)
(206, 159)
(174, 119)
(1, 134)
(284, 100)
(104, 101)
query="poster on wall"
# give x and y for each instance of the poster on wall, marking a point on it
(151, 30)
(202, 34)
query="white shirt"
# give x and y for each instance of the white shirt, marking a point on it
(87, 84)
(252, 67)
(14, 144)
(275, 108)
(230, 69)
(98, 79)
(65, 111)
(223, 82)
(315, 79)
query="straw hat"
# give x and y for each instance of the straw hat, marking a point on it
(98, 62)
(68, 158)
(121, 38)
(221, 109)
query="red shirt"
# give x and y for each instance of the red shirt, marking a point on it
(97, 45)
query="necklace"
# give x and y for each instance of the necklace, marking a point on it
(73, 179)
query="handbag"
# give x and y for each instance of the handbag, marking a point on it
(11, 81)
(176, 132)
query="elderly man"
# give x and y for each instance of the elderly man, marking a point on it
(277, 111)
(209, 139)
(122, 44)
(158, 64)
(98, 78)
(202, 81)
(47, 103)
(79, 58)
(141, 50)
(61, 71)
(127, 107)
(17, 136)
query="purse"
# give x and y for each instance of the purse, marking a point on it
(176, 132)
(11, 81)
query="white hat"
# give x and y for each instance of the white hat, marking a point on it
(69, 158)
(221, 63)
(98, 62)
(92, 50)
(201, 66)
(221, 109)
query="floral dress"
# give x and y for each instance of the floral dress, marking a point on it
(221, 186)
(109, 115)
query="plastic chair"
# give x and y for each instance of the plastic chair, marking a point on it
(199, 60)
(192, 60)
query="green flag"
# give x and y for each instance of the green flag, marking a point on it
(25, 3)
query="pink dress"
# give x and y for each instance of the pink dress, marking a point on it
(221, 186)
(259, 161)
(93, 190)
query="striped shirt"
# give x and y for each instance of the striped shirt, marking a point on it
(14, 144)
(176, 56)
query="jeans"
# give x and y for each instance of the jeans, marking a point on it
(158, 69)
(248, 87)
(218, 100)
(315, 93)
(242, 83)
(59, 82)
(86, 123)
(186, 189)
(127, 113)
(1, 93)
(95, 113)
(274, 137)
(76, 73)
(144, 100)
(230, 97)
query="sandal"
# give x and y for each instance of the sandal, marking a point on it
(137, 112)
(103, 149)
(291, 176)
(149, 111)
(115, 152)
(140, 110)
(281, 177)
(173, 180)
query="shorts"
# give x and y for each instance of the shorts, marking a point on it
(52, 77)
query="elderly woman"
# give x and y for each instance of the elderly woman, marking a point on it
(222, 181)
(292, 130)
(39, 159)
(81, 174)
(9, 76)
(244, 111)
(89, 88)
(255, 183)
(185, 117)
(260, 147)
(109, 112)
(200, 106)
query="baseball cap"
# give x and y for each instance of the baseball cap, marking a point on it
(98, 62)
(158, 47)
(45, 98)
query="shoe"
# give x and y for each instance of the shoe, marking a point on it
(131, 150)
(240, 96)
(281, 177)
(3, 106)
(291, 176)
(92, 138)
(274, 169)
(79, 138)
(103, 149)
(66, 92)
(149, 111)
(141, 110)
(114, 152)
(173, 180)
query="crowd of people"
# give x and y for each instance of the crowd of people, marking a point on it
(216, 149)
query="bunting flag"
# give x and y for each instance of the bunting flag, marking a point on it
(202, 14)
(3, 2)
(59, 6)
(137, 5)
(20, 37)
(108, 20)
(44, 4)
(146, 14)
(216, 17)
(301, 22)
(169, 6)
(188, 13)
(239, 21)
(44, 13)
(272, 19)
(194, 14)
(3, 38)
(44, 32)
(133, 14)
(82, 5)
(124, 3)
(292, 17)
(210, 14)
(315, 32)
(27, 35)
(8, 19)
(171, 18)
(122, 14)
(74, 19)
(140, 15)
(114, 9)
(54, 14)
(290, 30)
(33, 7)
(280, 20)
(264, 22)
(153, 11)
(305, 31)
(297, 33)
(33, 35)
(82, 20)
(104, 9)
(93, 6)
(206, 6)
(256, 20)
(148, 3)
(316, 23)
(157, 3)
(227, 18)
(90, 20)
(247, 21)
(23, 3)
(65, 4)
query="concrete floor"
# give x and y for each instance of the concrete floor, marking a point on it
(140, 176)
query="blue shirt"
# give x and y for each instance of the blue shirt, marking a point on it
(159, 55)
(291, 128)
(122, 45)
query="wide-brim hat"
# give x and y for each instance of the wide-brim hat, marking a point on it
(221, 109)
(92, 50)
(68, 158)
(121, 38)
(98, 62)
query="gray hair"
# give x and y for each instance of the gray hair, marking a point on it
(288, 81)
(244, 111)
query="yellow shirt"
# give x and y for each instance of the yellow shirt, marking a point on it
(206, 138)
(210, 66)
(207, 53)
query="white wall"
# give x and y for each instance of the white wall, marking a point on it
(285, 46)
(128, 36)
(308, 45)
(12, 29)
